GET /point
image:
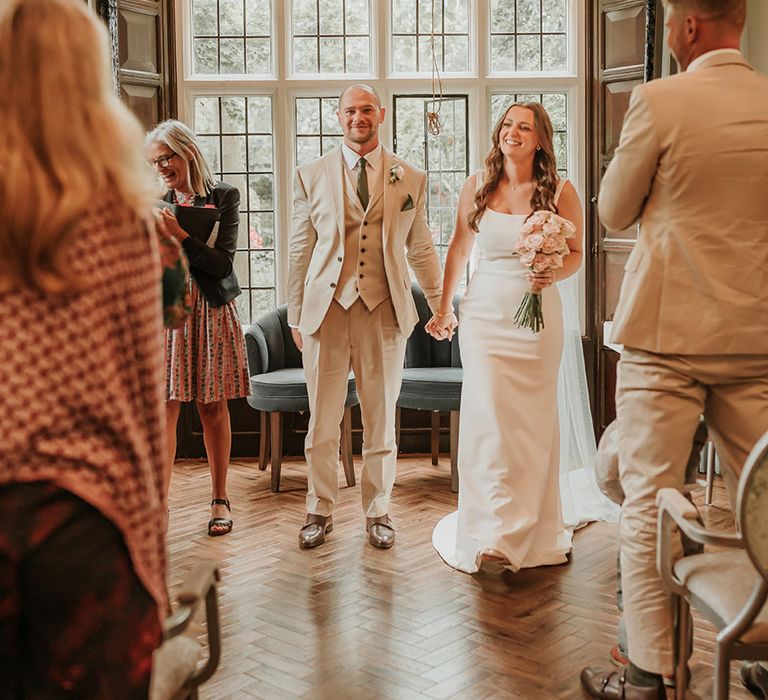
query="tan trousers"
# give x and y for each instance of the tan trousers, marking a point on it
(371, 344)
(659, 400)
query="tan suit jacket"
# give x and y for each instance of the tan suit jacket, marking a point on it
(692, 166)
(317, 238)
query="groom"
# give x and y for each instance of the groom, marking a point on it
(358, 213)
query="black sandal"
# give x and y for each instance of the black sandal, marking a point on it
(220, 522)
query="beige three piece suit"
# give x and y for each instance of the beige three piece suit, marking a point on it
(692, 166)
(349, 294)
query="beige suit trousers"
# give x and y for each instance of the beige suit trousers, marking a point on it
(371, 344)
(659, 401)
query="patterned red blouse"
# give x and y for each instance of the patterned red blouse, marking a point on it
(81, 385)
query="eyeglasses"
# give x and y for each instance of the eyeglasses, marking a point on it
(162, 161)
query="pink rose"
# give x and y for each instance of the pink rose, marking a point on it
(527, 258)
(540, 262)
(551, 228)
(534, 241)
(526, 228)
(550, 245)
(555, 261)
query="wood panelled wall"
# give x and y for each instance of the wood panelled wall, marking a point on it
(618, 48)
(146, 58)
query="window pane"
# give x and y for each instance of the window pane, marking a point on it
(241, 153)
(331, 17)
(263, 268)
(207, 115)
(331, 36)
(232, 115)
(305, 55)
(528, 35)
(528, 16)
(258, 56)
(206, 55)
(404, 54)
(232, 37)
(503, 52)
(553, 52)
(528, 52)
(413, 25)
(231, 17)
(204, 22)
(317, 127)
(331, 56)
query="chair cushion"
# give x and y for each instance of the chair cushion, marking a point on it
(285, 390)
(723, 582)
(431, 388)
(172, 663)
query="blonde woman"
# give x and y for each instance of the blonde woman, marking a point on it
(82, 550)
(205, 358)
(509, 513)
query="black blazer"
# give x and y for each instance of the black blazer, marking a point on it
(212, 267)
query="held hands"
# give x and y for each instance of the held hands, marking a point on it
(442, 326)
(297, 338)
(541, 280)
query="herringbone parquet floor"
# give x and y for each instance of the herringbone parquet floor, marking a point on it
(347, 621)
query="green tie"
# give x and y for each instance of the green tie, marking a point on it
(362, 183)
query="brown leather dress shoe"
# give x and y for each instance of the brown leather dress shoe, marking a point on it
(313, 533)
(613, 685)
(755, 678)
(381, 534)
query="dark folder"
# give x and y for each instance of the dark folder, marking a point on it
(198, 222)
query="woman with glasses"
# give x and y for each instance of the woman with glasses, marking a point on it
(205, 358)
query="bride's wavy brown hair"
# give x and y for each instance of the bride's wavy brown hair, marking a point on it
(545, 177)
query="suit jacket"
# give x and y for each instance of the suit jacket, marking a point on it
(692, 166)
(212, 267)
(318, 233)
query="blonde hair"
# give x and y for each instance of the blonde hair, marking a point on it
(182, 141)
(65, 139)
(545, 177)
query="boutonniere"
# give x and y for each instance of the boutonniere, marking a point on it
(396, 173)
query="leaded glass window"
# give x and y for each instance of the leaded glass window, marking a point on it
(331, 36)
(317, 127)
(417, 30)
(231, 37)
(236, 136)
(528, 35)
(444, 156)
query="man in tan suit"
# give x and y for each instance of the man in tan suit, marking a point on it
(692, 167)
(356, 210)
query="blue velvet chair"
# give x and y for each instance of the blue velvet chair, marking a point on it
(278, 385)
(432, 379)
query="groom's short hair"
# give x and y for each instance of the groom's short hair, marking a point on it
(361, 86)
(733, 12)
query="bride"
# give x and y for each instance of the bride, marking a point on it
(512, 464)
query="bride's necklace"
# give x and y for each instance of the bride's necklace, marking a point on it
(521, 185)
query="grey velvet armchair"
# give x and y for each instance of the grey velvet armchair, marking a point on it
(432, 379)
(278, 385)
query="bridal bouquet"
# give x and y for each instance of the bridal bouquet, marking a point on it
(542, 246)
